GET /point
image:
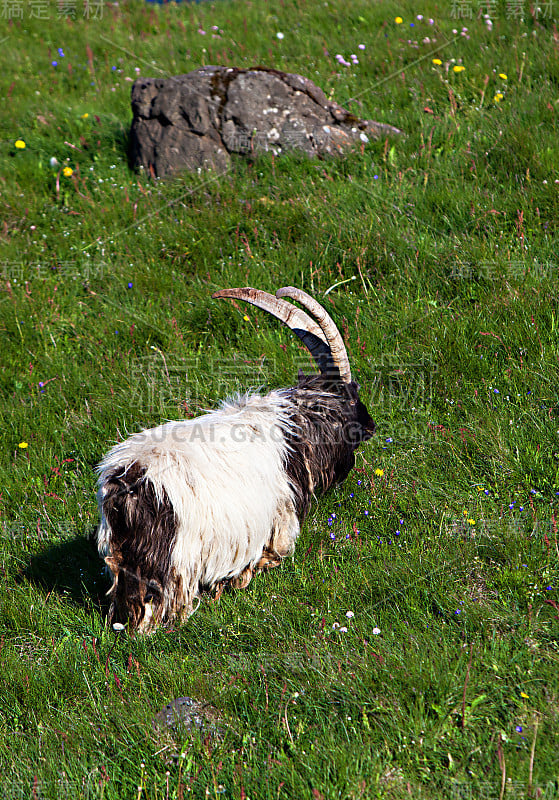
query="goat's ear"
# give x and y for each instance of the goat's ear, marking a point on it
(113, 565)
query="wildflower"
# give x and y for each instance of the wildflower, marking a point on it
(360, 46)
(437, 62)
(60, 52)
(379, 472)
(20, 144)
(349, 614)
(518, 729)
(54, 63)
(23, 445)
(458, 68)
(85, 116)
(471, 521)
(375, 631)
(279, 35)
(335, 625)
(67, 172)
(524, 695)
(503, 76)
(498, 97)
(398, 20)
(420, 17)
(343, 629)
(130, 285)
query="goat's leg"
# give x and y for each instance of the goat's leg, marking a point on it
(219, 590)
(269, 558)
(243, 580)
(282, 540)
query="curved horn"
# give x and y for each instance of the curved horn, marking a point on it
(295, 318)
(333, 336)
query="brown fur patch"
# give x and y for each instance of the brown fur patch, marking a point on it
(331, 424)
(143, 534)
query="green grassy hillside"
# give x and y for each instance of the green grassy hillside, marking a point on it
(410, 647)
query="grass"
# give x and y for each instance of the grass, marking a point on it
(442, 543)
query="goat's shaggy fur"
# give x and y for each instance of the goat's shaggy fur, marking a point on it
(198, 504)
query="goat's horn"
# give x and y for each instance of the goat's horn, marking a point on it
(333, 336)
(295, 318)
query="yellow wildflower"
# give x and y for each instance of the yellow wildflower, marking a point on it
(498, 97)
(524, 695)
(23, 445)
(471, 521)
(85, 116)
(20, 144)
(458, 68)
(398, 20)
(246, 319)
(67, 172)
(379, 472)
(503, 76)
(437, 62)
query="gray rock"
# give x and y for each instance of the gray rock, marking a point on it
(188, 715)
(198, 120)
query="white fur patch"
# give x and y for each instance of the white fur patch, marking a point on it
(224, 476)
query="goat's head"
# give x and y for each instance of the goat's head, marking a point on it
(324, 342)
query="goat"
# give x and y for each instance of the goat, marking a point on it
(195, 505)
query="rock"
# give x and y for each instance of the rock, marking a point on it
(187, 714)
(198, 120)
